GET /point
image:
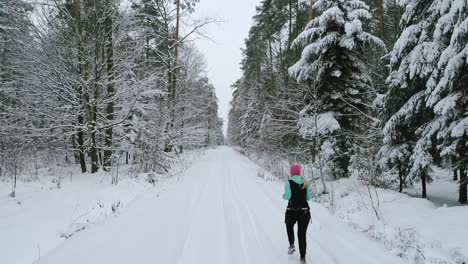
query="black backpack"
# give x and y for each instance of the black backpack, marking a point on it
(298, 198)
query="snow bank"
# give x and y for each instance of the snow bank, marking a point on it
(42, 216)
(412, 228)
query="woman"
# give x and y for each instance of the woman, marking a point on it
(298, 210)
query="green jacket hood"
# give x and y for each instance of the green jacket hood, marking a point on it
(297, 179)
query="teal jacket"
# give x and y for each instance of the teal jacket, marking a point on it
(287, 189)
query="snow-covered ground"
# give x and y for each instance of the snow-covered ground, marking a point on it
(419, 230)
(219, 211)
(42, 216)
(443, 191)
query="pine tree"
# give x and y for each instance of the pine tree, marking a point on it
(447, 89)
(413, 59)
(332, 64)
(235, 113)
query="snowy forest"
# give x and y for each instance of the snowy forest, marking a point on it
(376, 89)
(92, 82)
(233, 131)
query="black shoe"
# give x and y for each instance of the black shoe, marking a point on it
(291, 250)
(303, 260)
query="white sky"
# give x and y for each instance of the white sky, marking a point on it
(223, 50)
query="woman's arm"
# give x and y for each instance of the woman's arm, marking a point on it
(287, 191)
(309, 194)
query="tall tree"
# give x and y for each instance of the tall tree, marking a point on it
(332, 63)
(447, 89)
(108, 133)
(413, 59)
(15, 29)
(88, 77)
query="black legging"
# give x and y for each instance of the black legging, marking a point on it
(302, 217)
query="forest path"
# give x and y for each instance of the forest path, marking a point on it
(218, 212)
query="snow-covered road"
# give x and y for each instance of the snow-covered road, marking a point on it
(219, 212)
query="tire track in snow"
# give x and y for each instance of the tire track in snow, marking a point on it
(188, 230)
(228, 195)
(203, 219)
(248, 227)
(249, 209)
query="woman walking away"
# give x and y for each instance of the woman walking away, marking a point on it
(298, 210)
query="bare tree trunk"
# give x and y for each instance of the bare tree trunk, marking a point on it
(321, 175)
(15, 180)
(400, 176)
(93, 120)
(297, 16)
(463, 184)
(272, 72)
(66, 150)
(381, 20)
(15, 171)
(312, 10)
(81, 149)
(93, 111)
(76, 153)
(115, 178)
(173, 71)
(395, 21)
(110, 88)
(455, 176)
(80, 133)
(317, 143)
(2, 161)
(100, 154)
(176, 48)
(176, 53)
(423, 182)
(94, 150)
(290, 24)
(297, 30)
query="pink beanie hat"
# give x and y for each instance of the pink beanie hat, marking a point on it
(295, 170)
